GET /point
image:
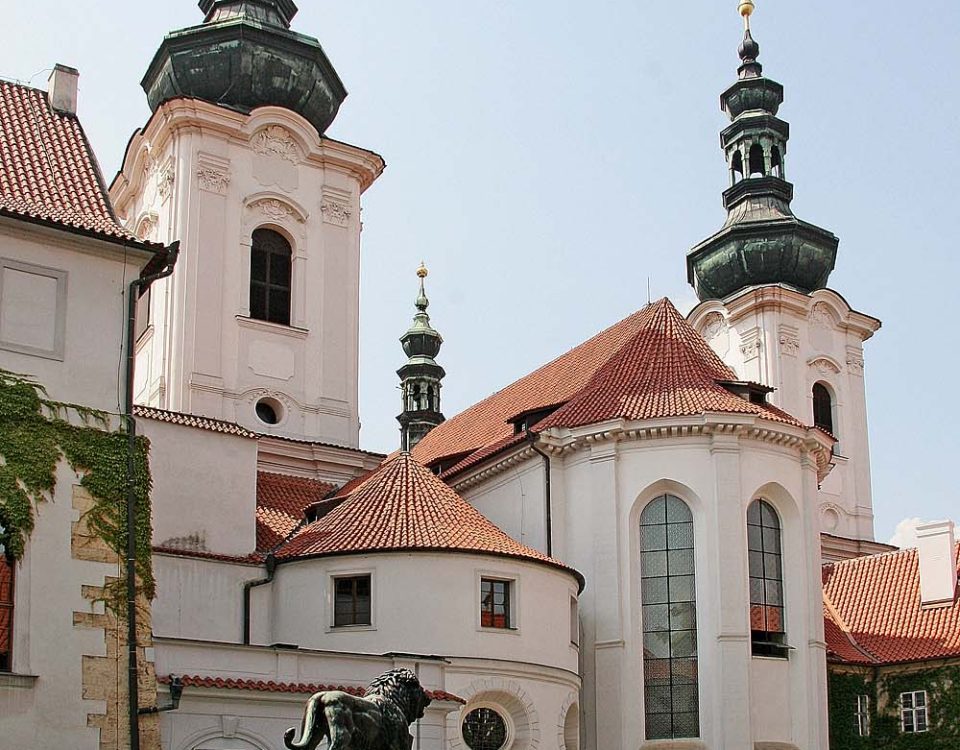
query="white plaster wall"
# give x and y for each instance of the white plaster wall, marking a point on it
(429, 603)
(790, 341)
(209, 177)
(599, 493)
(522, 517)
(94, 311)
(204, 488)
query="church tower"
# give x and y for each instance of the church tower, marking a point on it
(765, 306)
(420, 377)
(259, 324)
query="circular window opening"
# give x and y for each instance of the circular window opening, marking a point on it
(484, 729)
(269, 411)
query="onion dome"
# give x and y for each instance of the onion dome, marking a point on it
(761, 242)
(245, 56)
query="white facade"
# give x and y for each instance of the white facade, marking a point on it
(791, 341)
(62, 310)
(210, 176)
(602, 478)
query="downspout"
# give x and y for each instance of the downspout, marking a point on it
(271, 564)
(532, 438)
(133, 293)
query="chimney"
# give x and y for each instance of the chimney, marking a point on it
(62, 89)
(938, 570)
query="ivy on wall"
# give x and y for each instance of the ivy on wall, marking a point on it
(942, 684)
(35, 434)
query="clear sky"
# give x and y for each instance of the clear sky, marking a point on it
(547, 158)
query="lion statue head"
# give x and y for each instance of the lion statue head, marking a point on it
(403, 688)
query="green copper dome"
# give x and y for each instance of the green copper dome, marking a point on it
(245, 56)
(761, 242)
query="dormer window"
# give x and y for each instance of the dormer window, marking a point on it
(755, 393)
(525, 420)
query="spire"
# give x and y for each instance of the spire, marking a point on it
(420, 377)
(762, 242)
(245, 56)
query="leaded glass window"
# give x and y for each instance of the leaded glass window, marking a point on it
(767, 624)
(668, 595)
(484, 729)
(270, 263)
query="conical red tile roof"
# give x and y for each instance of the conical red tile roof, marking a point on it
(403, 506)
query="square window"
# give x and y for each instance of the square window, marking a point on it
(351, 601)
(495, 603)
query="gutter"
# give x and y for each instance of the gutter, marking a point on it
(167, 261)
(532, 438)
(271, 565)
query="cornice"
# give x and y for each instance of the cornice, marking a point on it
(560, 441)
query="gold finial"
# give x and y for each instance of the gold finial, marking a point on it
(746, 10)
(422, 271)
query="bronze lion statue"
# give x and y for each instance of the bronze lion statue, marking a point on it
(379, 720)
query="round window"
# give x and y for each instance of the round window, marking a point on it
(484, 729)
(269, 411)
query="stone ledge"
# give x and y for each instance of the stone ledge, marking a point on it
(10, 680)
(673, 745)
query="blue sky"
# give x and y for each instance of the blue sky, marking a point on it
(547, 158)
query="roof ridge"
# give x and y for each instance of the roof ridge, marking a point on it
(841, 623)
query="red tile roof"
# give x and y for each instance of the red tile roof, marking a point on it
(281, 502)
(48, 172)
(873, 613)
(269, 686)
(650, 365)
(191, 420)
(404, 506)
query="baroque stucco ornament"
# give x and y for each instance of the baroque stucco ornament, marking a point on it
(212, 179)
(277, 210)
(335, 212)
(713, 326)
(824, 366)
(379, 720)
(275, 140)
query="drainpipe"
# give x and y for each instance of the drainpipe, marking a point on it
(532, 438)
(271, 563)
(133, 293)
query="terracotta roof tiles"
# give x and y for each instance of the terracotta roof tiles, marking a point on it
(402, 507)
(48, 172)
(192, 420)
(874, 615)
(281, 503)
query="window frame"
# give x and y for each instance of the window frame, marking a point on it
(513, 595)
(653, 559)
(341, 575)
(764, 642)
(503, 713)
(914, 711)
(58, 352)
(267, 283)
(819, 407)
(863, 715)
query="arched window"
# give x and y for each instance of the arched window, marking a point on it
(668, 594)
(430, 402)
(270, 261)
(757, 166)
(6, 606)
(823, 408)
(776, 161)
(736, 167)
(484, 729)
(767, 626)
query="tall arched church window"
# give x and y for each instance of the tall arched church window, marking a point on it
(6, 606)
(668, 593)
(767, 625)
(270, 261)
(823, 408)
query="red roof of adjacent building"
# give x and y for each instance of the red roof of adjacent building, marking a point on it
(404, 506)
(873, 613)
(650, 365)
(281, 502)
(48, 172)
(271, 686)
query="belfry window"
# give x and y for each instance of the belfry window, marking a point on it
(776, 162)
(270, 263)
(757, 167)
(822, 408)
(767, 625)
(6, 606)
(736, 167)
(668, 595)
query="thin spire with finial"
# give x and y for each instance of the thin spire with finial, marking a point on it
(749, 50)
(422, 302)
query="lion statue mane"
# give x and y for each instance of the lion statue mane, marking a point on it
(379, 720)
